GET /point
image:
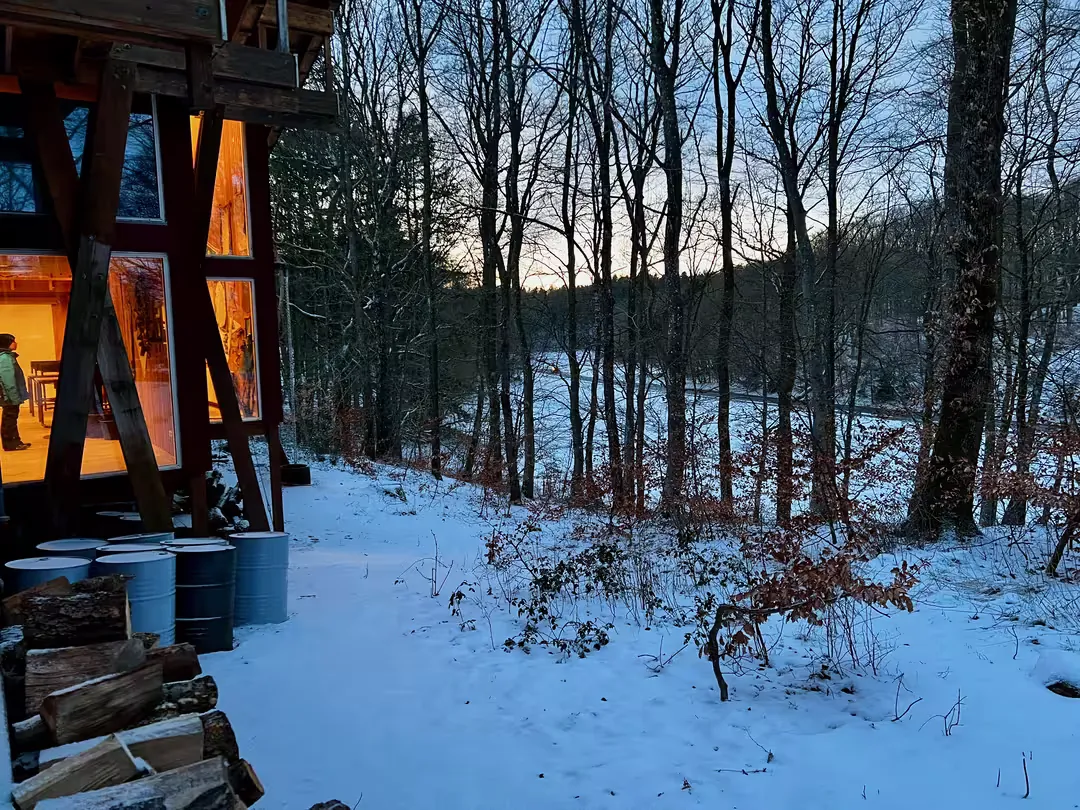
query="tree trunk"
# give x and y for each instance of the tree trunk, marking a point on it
(982, 43)
(785, 382)
(666, 74)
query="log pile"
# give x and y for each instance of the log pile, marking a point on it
(103, 718)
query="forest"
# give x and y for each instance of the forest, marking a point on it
(752, 247)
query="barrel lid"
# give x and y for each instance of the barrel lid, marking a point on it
(259, 535)
(71, 544)
(144, 537)
(128, 548)
(208, 547)
(45, 563)
(136, 557)
(194, 541)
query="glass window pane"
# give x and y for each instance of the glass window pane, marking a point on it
(139, 197)
(234, 306)
(34, 292)
(229, 220)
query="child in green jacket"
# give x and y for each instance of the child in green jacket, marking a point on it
(13, 394)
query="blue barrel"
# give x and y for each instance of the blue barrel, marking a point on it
(83, 547)
(262, 577)
(181, 542)
(205, 580)
(151, 591)
(144, 537)
(26, 573)
(128, 548)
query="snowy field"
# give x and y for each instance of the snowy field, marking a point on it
(374, 694)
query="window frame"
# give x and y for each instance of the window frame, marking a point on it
(247, 420)
(166, 280)
(161, 218)
(247, 203)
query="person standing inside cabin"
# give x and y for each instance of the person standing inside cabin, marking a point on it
(13, 394)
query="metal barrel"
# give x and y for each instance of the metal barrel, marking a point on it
(205, 583)
(262, 577)
(180, 542)
(151, 591)
(28, 572)
(128, 548)
(145, 537)
(84, 547)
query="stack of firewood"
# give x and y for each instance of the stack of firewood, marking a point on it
(103, 718)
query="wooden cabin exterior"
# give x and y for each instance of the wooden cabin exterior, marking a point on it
(137, 266)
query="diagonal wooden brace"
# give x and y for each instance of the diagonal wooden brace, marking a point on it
(92, 329)
(206, 161)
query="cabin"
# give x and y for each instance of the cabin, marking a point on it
(137, 269)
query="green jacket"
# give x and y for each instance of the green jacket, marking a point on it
(12, 380)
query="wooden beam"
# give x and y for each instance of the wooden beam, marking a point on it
(126, 20)
(302, 19)
(99, 201)
(206, 160)
(62, 181)
(244, 63)
(277, 458)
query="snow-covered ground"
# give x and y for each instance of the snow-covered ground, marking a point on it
(372, 693)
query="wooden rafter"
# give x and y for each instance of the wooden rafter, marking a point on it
(62, 181)
(206, 161)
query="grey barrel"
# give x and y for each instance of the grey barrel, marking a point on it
(144, 537)
(128, 548)
(262, 577)
(30, 571)
(205, 583)
(83, 547)
(151, 591)
(180, 542)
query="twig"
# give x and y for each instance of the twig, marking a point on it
(743, 771)
(896, 703)
(999, 779)
(1027, 783)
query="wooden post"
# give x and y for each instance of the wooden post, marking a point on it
(277, 458)
(206, 160)
(62, 181)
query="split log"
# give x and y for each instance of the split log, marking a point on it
(105, 764)
(149, 640)
(185, 697)
(102, 705)
(201, 693)
(203, 785)
(13, 670)
(219, 740)
(76, 619)
(245, 782)
(110, 583)
(179, 662)
(15, 605)
(30, 734)
(52, 670)
(164, 746)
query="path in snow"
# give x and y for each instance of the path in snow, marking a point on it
(372, 690)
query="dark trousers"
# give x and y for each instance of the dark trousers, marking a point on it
(9, 427)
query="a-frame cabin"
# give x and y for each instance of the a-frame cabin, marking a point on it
(136, 254)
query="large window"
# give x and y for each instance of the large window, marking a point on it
(234, 306)
(229, 219)
(34, 293)
(23, 191)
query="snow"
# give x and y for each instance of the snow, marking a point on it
(1057, 665)
(374, 694)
